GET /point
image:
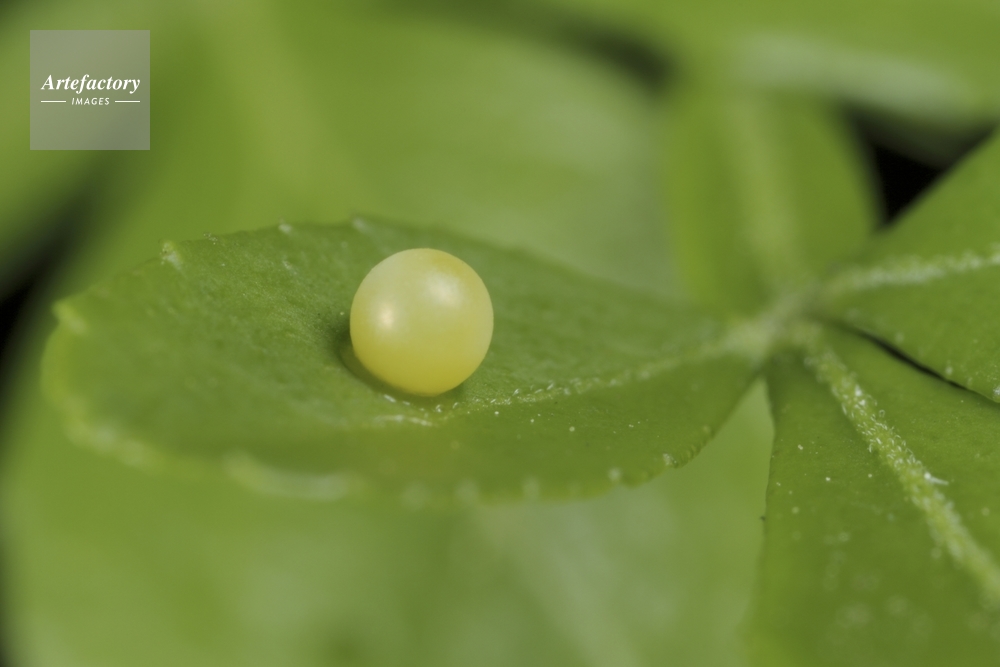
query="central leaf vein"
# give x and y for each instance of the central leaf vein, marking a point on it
(907, 271)
(750, 340)
(920, 486)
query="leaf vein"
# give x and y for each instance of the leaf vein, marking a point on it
(921, 487)
(911, 270)
(751, 340)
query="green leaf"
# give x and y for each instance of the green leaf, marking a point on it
(765, 192)
(235, 350)
(929, 286)
(935, 67)
(882, 516)
(932, 67)
(107, 565)
(513, 141)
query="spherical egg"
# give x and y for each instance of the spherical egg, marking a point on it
(422, 321)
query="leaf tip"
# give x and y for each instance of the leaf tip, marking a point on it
(170, 255)
(70, 318)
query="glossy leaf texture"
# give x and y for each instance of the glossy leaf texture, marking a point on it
(234, 350)
(882, 528)
(765, 192)
(929, 286)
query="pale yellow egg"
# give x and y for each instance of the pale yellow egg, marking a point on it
(422, 321)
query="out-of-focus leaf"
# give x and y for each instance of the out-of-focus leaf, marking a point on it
(765, 192)
(502, 137)
(39, 188)
(922, 60)
(234, 350)
(331, 113)
(33, 184)
(118, 568)
(882, 527)
(930, 285)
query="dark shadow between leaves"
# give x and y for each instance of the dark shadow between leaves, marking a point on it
(905, 167)
(898, 354)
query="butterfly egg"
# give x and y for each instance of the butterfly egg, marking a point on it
(421, 321)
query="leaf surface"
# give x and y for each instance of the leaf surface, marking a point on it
(120, 568)
(235, 350)
(882, 523)
(929, 286)
(765, 192)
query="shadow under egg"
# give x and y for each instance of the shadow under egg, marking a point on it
(344, 351)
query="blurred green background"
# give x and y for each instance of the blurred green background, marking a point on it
(544, 126)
